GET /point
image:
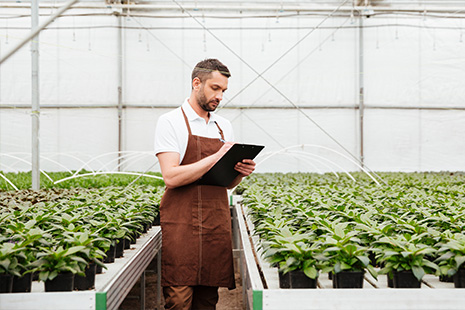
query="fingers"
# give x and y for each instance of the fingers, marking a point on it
(246, 167)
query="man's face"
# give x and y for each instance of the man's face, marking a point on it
(211, 91)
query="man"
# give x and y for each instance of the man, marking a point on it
(195, 219)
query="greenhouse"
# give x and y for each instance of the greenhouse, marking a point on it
(346, 118)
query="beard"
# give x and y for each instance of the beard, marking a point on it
(204, 103)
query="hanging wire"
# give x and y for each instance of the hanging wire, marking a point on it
(160, 41)
(302, 60)
(281, 57)
(264, 79)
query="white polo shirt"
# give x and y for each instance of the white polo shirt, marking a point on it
(171, 133)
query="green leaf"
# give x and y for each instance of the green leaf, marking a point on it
(459, 259)
(311, 272)
(418, 271)
(74, 250)
(345, 266)
(43, 275)
(372, 271)
(365, 260)
(53, 275)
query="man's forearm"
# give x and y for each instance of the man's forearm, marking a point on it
(236, 181)
(185, 174)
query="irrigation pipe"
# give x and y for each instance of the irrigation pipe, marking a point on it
(29, 163)
(325, 159)
(99, 156)
(326, 148)
(107, 172)
(125, 157)
(8, 181)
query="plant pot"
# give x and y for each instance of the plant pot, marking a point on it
(447, 279)
(390, 280)
(459, 279)
(299, 279)
(6, 283)
(348, 279)
(98, 268)
(330, 275)
(372, 257)
(63, 282)
(110, 253)
(86, 282)
(119, 248)
(22, 284)
(127, 244)
(405, 279)
(134, 236)
(156, 220)
(284, 280)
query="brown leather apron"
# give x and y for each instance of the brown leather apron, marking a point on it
(196, 227)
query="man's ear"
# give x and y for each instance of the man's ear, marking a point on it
(196, 83)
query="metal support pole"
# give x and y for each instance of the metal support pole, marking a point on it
(142, 291)
(120, 89)
(159, 292)
(35, 96)
(361, 87)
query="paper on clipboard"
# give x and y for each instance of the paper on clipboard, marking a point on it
(223, 172)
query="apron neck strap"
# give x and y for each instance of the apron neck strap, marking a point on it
(187, 122)
(220, 131)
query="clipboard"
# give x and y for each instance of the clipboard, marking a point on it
(223, 172)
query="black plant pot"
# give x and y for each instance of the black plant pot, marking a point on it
(156, 220)
(372, 257)
(447, 279)
(298, 279)
(330, 275)
(405, 279)
(348, 279)
(135, 235)
(459, 279)
(98, 268)
(22, 284)
(110, 253)
(86, 282)
(119, 251)
(63, 282)
(284, 280)
(6, 283)
(127, 244)
(390, 280)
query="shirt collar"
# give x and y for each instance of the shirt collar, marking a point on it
(191, 115)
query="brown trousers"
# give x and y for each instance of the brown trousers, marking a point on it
(190, 297)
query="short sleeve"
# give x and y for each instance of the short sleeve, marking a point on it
(165, 137)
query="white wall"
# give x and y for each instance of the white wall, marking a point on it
(409, 62)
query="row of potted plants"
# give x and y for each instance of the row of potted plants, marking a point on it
(53, 234)
(409, 226)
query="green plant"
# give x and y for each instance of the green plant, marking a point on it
(404, 252)
(91, 252)
(452, 254)
(59, 260)
(345, 252)
(9, 254)
(295, 251)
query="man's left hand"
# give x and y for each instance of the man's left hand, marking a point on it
(246, 167)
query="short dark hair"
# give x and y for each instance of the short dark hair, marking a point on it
(205, 67)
